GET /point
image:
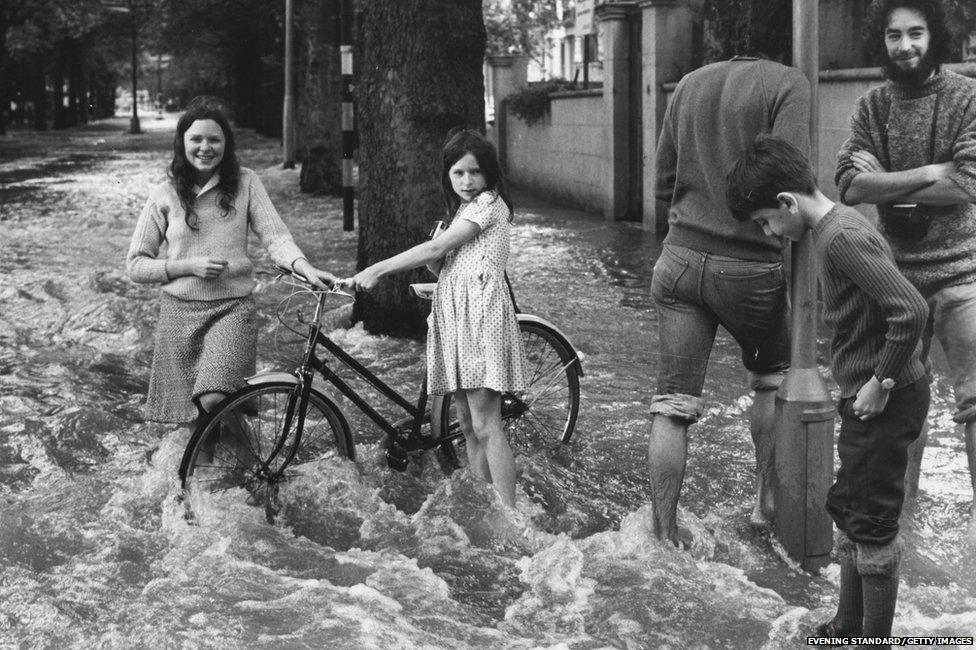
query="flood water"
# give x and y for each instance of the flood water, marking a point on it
(97, 550)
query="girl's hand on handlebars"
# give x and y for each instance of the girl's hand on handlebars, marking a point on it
(321, 279)
(365, 280)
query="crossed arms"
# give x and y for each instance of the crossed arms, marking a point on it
(862, 178)
(928, 184)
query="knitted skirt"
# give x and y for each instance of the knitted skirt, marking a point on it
(201, 346)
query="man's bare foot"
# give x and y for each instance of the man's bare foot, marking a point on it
(763, 511)
(683, 538)
(759, 519)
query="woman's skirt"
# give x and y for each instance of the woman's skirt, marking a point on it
(201, 346)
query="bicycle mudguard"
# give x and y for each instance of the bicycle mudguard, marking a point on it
(529, 318)
(436, 406)
(270, 376)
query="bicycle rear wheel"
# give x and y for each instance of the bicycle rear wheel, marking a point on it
(546, 412)
(251, 440)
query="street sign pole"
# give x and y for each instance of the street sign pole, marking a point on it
(288, 110)
(134, 126)
(348, 113)
(804, 410)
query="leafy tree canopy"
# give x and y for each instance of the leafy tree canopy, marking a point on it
(518, 26)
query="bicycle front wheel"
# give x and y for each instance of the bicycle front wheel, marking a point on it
(546, 411)
(258, 438)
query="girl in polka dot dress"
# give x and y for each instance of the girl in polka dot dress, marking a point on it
(474, 348)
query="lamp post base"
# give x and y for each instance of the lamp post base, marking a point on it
(804, 467)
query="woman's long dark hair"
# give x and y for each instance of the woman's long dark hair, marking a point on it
(467, 141)
(181, 172)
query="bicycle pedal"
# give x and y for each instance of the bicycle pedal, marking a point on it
(396, 458)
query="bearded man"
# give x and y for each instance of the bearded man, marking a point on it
(912, 152)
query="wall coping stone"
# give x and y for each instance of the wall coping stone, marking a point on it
(861, 74)
(570, 94)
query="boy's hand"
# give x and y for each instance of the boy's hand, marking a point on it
(871, 399)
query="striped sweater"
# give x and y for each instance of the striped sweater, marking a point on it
(906, 127)
(161, 233)
(876, 314)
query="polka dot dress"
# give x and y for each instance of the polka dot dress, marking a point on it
(473, 339)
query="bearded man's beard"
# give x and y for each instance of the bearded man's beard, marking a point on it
(914, 76)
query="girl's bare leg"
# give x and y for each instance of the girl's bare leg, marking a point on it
(209, 400)
(477, 453)
(237, 442)
(485, 409)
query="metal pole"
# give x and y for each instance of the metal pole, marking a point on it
(348, 114)
(804, 410)
(159, 84)
(288, 110)
(134, 122)
(586, 61)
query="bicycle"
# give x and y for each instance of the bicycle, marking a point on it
(282, 425)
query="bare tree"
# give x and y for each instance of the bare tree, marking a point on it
(421, 74)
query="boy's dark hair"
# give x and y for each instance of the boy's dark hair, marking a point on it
(769, 166)
(181, 172)
(464, 141)
(941, 40)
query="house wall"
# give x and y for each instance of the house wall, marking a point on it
(563, 156)
(837, 92)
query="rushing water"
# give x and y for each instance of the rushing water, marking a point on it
(97, 549)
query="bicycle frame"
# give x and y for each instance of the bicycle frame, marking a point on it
(311, 363)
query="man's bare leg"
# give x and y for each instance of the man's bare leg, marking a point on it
(667, 455)
(762, 426)
(971, 456)
(914, 468)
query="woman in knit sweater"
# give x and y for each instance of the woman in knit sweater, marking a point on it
(192, 239)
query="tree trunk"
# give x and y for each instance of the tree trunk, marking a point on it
(75, 84)
(4, 102)
(39, 94)
(60, 113)
(421, 75)
(319, 113)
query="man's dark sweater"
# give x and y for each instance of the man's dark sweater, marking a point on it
(716, 112)
(906, 127)
(876, 314)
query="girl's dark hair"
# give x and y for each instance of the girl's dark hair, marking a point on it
(770, 165)
(468, 141)
(181, 172)
(941, 40)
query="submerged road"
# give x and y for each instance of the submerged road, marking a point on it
(95, 548)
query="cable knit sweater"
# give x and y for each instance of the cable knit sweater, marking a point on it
(162, 233)
(906, 127)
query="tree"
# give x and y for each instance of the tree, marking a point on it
(66, 39)
(319, 105)
(421, 63)
(230, 48)
(738, 26)
(519, 26)
(961, 17)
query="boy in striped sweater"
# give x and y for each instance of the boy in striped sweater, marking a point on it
(877, 318)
